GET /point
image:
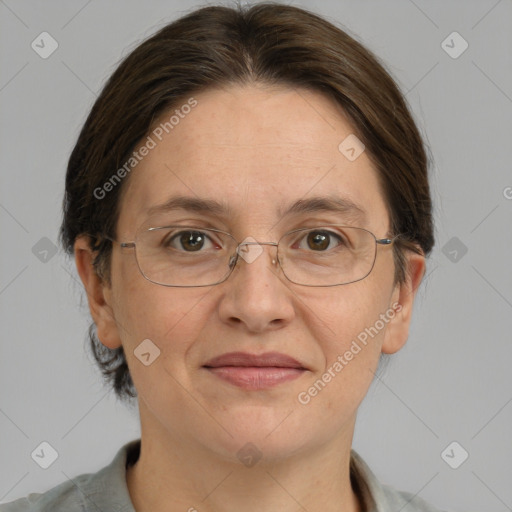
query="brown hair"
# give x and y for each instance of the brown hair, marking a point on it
(213, 46)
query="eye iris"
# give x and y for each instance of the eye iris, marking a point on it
(192, 240)
(318, 241)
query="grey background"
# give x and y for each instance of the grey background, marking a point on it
(452, 382)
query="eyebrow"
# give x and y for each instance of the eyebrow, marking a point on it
(194, 204)
(330, 204)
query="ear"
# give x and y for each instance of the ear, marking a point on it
(397, 330)
(99, 294)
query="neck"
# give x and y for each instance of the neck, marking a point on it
(188, 477)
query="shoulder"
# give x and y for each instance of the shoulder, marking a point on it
(64, 496)
(89, 492)
(405, 501)
(383, 498)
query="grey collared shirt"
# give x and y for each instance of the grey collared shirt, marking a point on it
(107, 491)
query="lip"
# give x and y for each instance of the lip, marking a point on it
(268, 359)
(253, 371)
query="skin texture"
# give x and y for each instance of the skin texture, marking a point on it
(258, 149)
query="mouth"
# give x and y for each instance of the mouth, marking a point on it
(255, 372)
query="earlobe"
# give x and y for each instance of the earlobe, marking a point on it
(98, 293)
(397, 331)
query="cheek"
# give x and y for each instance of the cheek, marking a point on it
(170, 317)
(348, 325)
(172, 320)
(344, 314)
(165, 315)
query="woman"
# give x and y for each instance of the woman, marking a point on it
(249, 211)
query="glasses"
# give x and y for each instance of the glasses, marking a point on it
(186, 256)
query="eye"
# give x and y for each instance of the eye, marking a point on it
(189, 241)
(321, 240)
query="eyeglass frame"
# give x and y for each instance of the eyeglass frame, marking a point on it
(388, 241)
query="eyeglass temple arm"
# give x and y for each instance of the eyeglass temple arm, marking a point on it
(384, 241)
(387, 241)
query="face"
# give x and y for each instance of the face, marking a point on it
(256, 150)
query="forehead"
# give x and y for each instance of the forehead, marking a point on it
(257, 151)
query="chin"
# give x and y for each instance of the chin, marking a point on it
(267, 435)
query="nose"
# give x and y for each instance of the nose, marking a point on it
(257, 296)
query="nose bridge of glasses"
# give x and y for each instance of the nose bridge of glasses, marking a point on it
(257, 243)
(248, 255)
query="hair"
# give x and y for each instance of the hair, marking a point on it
(216, 46)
